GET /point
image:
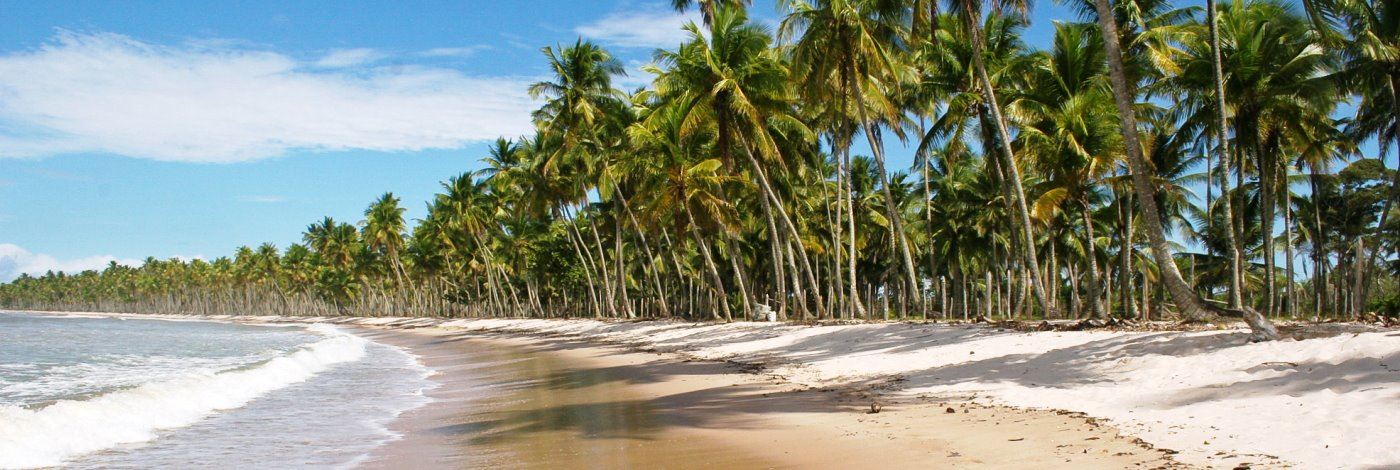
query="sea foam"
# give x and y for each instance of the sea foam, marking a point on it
(49, 435)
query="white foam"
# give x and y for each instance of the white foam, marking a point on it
(52, 434)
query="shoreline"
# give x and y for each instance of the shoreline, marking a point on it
(710, 414)
(1217, 401)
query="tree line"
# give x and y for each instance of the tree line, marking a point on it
(752, 174)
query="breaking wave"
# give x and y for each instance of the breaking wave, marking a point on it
(49, 435)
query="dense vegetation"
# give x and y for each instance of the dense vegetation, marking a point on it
(1047, 183)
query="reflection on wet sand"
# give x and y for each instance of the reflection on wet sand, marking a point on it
(524, 409)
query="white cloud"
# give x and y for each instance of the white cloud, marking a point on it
(459, 52)
(15, 261)
(224, 102)
(650, 28)
(349, 57)
(635, 78)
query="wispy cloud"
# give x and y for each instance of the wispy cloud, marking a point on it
(648, 28)
(264, 199)
(15, 261)
(635, 78)
(349, 57)
(459, 52)
(213, 102)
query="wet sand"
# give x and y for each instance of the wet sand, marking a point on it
(515, 401)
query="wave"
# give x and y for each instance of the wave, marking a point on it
(47, 436)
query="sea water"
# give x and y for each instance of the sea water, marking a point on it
(97, 392)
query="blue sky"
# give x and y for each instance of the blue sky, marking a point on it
(187, 128)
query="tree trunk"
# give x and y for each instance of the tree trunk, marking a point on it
(1319, 247)
(857, 308)
(717, 283)
(646, 247)
(1268, 169)
(1288, 222)
(1095, 306)
(1391, 196)
(772, 196)
(1223, 142)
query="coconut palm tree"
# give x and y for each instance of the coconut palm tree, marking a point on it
(708, 8)
(1067, 130)
(849, 54)
(383, 231)
(733, 78)
(1185, 297)
(970, 12)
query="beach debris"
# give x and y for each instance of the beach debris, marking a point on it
(875, 407)
(763, 312)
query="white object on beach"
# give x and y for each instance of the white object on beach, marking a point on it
(763, 312)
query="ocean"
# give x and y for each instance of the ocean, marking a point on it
(98, 392)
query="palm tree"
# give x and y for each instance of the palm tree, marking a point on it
(1223, 143)
(383, 231)
(1369, 41)
(732, 77)
(708, 8)
(849, 54)
(1067, 130)
(579, 99)
(970, 12)
(1185, 297)
(685, 183)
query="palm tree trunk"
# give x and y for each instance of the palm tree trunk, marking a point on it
(646, 248)
(857, 307)
(717, 283)
(745, 296)
(1394, 192)
(1095, 306)
(576, 240)
(928, 222)
(619, 258)
(1319, 246)
(1223, 142)
(838, 290)
(1288, 222)
(603, 270)
(1182, 294)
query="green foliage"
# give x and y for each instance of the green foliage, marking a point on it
(730, 181)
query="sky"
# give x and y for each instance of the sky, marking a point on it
(188, 128)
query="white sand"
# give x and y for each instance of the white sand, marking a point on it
(1320, 403)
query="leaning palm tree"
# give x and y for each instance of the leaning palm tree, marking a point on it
(572, 147)
(685, 185)
(1182, 293)
(1223, 144)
